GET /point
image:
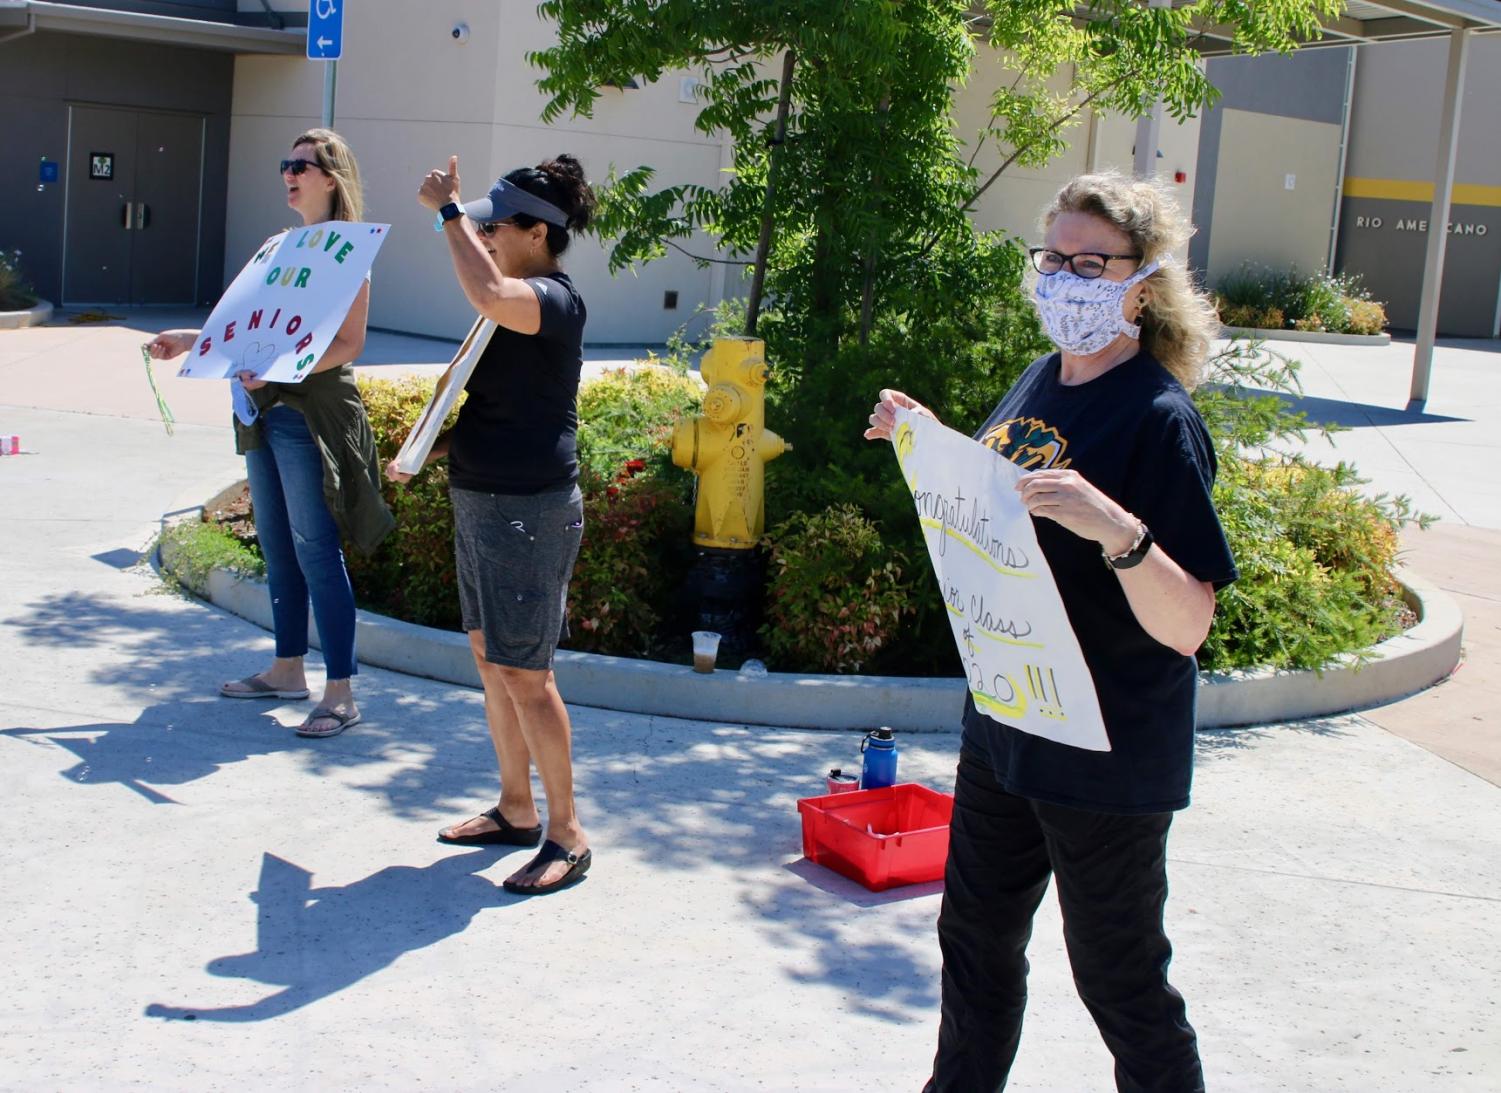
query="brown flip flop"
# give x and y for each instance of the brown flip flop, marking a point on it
(323, 713)
(256, 687)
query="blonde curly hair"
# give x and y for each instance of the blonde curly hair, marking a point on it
(1178, 321)
(337, 161)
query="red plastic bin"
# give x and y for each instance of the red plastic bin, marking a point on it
(883, 838)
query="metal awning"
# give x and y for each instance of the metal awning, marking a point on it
(1364, 22)
(21, 17)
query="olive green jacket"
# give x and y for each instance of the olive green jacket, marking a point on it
(351, 473)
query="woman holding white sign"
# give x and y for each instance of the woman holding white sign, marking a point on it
(1121, 474)
(310, 458)
(513, 477)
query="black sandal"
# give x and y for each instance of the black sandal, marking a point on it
(506, 834)
(578, 865)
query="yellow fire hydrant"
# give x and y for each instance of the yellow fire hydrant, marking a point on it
(728, 446)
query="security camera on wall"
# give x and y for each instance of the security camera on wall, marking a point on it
(460, 32)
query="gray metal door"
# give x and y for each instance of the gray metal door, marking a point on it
(101, 181)
(134, 180)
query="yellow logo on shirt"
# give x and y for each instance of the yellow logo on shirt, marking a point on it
(1028, 442)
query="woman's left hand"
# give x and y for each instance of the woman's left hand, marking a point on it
(439, 188)
(249, 382)
(1068, 498)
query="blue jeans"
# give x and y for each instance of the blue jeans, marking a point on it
(300, 542)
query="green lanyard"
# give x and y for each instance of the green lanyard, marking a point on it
(161, 404)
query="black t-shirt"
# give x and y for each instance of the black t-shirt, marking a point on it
(517, 432)
(1134, 434)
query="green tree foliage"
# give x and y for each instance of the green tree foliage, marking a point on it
(872, 184)
(876, 276)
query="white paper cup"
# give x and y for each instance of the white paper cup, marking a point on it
(705, 650)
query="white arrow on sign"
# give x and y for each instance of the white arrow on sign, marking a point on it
(324, 43)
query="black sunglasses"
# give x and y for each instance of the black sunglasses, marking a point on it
(297, 166)
(488, 228)
(1085, 264)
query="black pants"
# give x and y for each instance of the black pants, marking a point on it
(1112, 885)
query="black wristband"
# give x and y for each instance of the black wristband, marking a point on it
(451, 211)
(1137, 551)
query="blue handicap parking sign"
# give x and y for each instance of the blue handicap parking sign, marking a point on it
(325, 30)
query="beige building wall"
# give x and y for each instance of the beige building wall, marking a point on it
(1017, 199)
(1258, 219)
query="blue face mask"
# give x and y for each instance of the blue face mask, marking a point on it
(1082, 315)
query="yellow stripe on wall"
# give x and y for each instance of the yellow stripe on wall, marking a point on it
(1396, 189)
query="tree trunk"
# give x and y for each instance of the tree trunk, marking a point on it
(763, 244)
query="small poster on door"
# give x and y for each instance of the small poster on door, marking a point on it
(279, 315)
(102, 166)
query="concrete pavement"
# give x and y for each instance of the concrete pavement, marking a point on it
(1446, 457)
(194, 897)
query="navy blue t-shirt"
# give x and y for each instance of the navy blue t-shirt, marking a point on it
(1135, 435)
(517, 431)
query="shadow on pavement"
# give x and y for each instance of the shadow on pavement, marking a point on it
(1213, 744)
(1356, 415)
(314, 942)
(150, 752)
(692, 802)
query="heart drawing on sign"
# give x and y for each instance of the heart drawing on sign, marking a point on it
(257, 357)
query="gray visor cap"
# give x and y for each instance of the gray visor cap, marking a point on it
(507, 200)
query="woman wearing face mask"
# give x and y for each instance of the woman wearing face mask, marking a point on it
(1121, 472)
(310, 458)
(513, 478)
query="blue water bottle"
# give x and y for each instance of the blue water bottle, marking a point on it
(879, 767)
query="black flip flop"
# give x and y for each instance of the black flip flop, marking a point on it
(578, 865)
(508, 834)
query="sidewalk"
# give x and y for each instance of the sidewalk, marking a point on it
(1446, 459)
(96, 368)
(194, 897)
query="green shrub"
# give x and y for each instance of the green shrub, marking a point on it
(1314, 554)
(835, 594)
(1310, 301)
(628, 414)
(411, 575)
(1366, 316)
(1250, 316)
(193, 549)
(632, 565)
(15, 291)
(1276, 300)
(1314, 559)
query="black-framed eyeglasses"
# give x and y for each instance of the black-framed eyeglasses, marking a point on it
(1086, 264)
(297, 166)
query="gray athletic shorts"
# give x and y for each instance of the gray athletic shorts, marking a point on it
(515, 556)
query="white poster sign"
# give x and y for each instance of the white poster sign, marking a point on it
(1021, 658)
(420, 440)
(282, 311)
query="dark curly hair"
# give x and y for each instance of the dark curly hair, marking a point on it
(561, 181)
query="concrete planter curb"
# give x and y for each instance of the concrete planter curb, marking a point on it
(30, 316)
(1401, 666)
(1316, 337)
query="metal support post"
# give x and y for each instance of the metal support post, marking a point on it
(1438, 219)
(1149, 129)
(330, 85)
